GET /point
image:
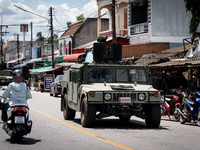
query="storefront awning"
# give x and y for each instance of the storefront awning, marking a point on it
(74, 57)
(35, 60)
(29, 62)
(50, 69)
(15, 61)
(64, 64)
(44, 69)
(20, 65)
(32, 71)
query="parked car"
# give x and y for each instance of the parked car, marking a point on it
(56, 86)
(6, 77)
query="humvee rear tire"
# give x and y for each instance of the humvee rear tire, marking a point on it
(153, 116)
(68, 113)
(88, 114)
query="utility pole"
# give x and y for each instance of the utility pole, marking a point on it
(31, 39)
(52, 43)
(1, 34)
(18, 47)
(113, 22)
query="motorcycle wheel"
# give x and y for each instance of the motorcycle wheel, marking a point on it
(198, 118)
(19, 137)
(176, 115)
(183, 109)
(163, 110)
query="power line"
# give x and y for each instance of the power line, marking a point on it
(30, 12)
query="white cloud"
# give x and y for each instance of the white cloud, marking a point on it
(62, 14)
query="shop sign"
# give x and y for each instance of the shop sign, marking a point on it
(48, 79)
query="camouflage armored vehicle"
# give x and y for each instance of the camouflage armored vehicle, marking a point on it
(5, 77)
(99, 90)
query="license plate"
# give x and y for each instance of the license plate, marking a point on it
(19, 119)
(124, 99)
(3, 81)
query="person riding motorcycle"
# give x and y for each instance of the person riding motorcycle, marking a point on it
(17, 92)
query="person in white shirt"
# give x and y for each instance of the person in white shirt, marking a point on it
(17, 92)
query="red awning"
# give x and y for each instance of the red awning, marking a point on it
(74, 57)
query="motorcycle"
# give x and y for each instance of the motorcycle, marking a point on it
(18, 124)
(169, 106)
(190, 109)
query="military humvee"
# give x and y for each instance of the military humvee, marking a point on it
(99, 90)
(5, 77)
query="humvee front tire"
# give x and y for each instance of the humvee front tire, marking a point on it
(88, 114)
(127, 118)
(68, 113)
(153, 116)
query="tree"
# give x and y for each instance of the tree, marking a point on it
(55, 39)
(68, 24)
(194, 7)
(39, 36)
(81, 17)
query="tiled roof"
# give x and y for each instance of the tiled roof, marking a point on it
(72, 29)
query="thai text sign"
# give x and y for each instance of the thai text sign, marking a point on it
(48, 79)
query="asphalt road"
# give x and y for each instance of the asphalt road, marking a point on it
(51, 132)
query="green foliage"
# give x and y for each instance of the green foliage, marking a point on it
(81, 17)
(39, 36)
(68, 24)
(194, 7)
(55, 39)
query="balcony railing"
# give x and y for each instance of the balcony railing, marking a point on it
(122, 32)
(139, 28)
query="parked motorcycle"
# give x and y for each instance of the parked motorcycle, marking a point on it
(18, 124)
(169, 106)
(190, 109)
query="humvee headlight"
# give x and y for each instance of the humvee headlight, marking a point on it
(107, 96)
(141, 96)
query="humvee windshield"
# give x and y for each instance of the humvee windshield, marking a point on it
(126, 75)
(130, 75)
(100, 75)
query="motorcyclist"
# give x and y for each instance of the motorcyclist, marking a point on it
(17, 92)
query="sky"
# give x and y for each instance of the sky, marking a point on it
(63, 11)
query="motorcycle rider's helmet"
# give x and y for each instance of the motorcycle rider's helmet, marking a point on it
(17, 74)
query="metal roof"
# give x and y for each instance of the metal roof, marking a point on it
(175, 63)
(74, 57)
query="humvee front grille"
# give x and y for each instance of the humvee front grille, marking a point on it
(115, 95)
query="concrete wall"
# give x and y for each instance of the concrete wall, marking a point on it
(168, 22)
(169, 18)
(88, 31)
(64, 41)
(11, 49)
